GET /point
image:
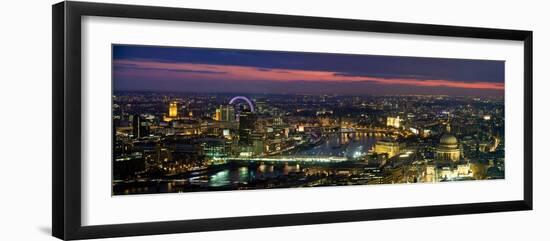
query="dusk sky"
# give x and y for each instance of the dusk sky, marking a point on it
(180, 69)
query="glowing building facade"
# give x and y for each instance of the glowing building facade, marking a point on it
(393, 122)
(172, 111)
(448, 149)
(387, 146)
(225, 113)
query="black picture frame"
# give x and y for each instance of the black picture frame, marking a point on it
(66, 47)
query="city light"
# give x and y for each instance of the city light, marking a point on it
(240, 120)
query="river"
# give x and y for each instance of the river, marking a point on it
(242, 175)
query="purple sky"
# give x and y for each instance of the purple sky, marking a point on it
(180, 69)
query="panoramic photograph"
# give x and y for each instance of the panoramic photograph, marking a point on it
(187, 119)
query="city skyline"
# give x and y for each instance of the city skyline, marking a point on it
(197, 119)
(181, 69)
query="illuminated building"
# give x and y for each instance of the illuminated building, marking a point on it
(447, 172)
(278, 121)
(135, 125)
(218, 115)
(387, 146)
(426, 133)
(261, 106)
(393, 122)
(140, 128)
(186, 127)
(324, 121)
(225, 113)
(430, 174)
(214, 148)
(324, 112)
(448, 149)
(247, 122)
(245, 152)
(463, 170)
(172, 112)
(257, 144)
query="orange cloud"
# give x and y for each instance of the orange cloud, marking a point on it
(143, 68)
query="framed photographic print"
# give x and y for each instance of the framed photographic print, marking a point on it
(170, 120)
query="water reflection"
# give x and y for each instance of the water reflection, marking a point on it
(242, 175)
(343, 144)
(219, 179)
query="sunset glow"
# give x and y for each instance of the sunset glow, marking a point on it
(134, 68)
(141, 68)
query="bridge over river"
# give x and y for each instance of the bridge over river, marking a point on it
(319, 159)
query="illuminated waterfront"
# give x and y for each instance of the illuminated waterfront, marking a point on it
(197, 119)
(344, 145)
(239, 173)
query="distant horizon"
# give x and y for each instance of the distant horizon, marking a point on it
(207, 70)
(339, 95)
